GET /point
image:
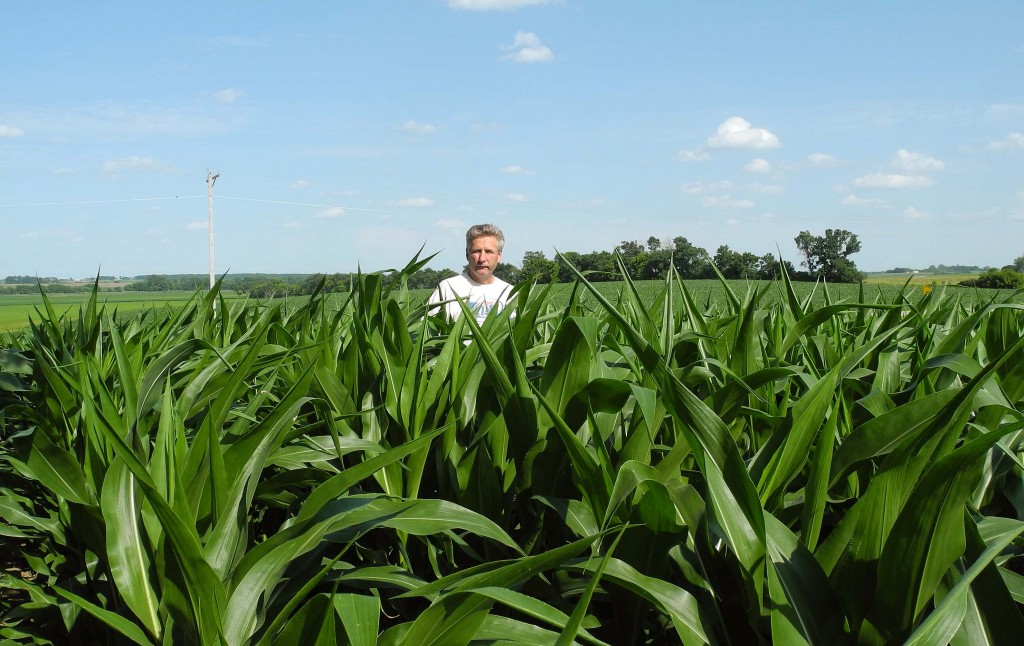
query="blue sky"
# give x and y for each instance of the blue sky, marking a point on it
(350, 134)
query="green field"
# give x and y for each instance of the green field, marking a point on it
(15, 310)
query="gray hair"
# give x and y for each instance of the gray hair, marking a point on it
(480, 230)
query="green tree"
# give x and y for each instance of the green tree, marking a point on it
(734, 264)
(1018, 264)
(690, 260)
(600, 265)
(998, 279)
(508, 273)
(827, 256)
(537, 267)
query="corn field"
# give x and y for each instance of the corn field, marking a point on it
(623, 470)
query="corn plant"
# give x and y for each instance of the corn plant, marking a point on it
(597, 468)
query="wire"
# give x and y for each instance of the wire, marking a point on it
(319, 206)
(133, 199)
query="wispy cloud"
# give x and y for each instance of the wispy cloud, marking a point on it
(147, 164)
(700, 188)
(736, 132)
(697, 154)
(450, 224)
(227, 96)
(515, 197)
(330, 212)
(911, 213)
(1012, 141)
(418, 128)
(822, 160)
(871, 203)
(883, 180)
(195, 226)
(496, 5)
(725, 202)
(916, 162)
(300, 183)
(758, 166)
(765, 189)
(527, 48)
(11, 131)
(516, 170)
(415, 202)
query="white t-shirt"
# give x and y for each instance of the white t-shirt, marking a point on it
(480, 299)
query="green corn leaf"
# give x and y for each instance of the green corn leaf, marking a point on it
(112, 619)
(53, 467)
(530, 607)
(127, 552)
(944, 621)
(804, 608)
(927, 538)
(359, 616)
(314, 624)
(452, 620)
(676, 603)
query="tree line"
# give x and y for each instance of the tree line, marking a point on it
(825, 256)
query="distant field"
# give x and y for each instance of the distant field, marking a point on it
(16, 309)
(918, 279)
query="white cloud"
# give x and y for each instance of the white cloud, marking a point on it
(515, 197)
(736, 132)
(699, 188)
(726, 202)
(419, 128)
(1013, 141)
(758, 165)
(136, 163)
(911, 213)
(1006, 109)
(300, 183)
(732, 222)
(871, 203)
(766, 189)
(527, 48)
(417, 202)
(516, 170)
(916, 162)
(11, 131)
(195, 226)
(822, 159)
(697, 154)
(495, 5)
(330, 212)
(882, 180)
(450, 224)
(227, 96)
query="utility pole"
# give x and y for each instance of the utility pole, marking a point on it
(211, 179)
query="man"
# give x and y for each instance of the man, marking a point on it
(477, 287)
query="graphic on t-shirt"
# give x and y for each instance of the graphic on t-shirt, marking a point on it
(481, 307)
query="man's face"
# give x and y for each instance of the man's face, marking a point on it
(483, 257)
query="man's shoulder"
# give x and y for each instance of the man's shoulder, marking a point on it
(456, 280)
